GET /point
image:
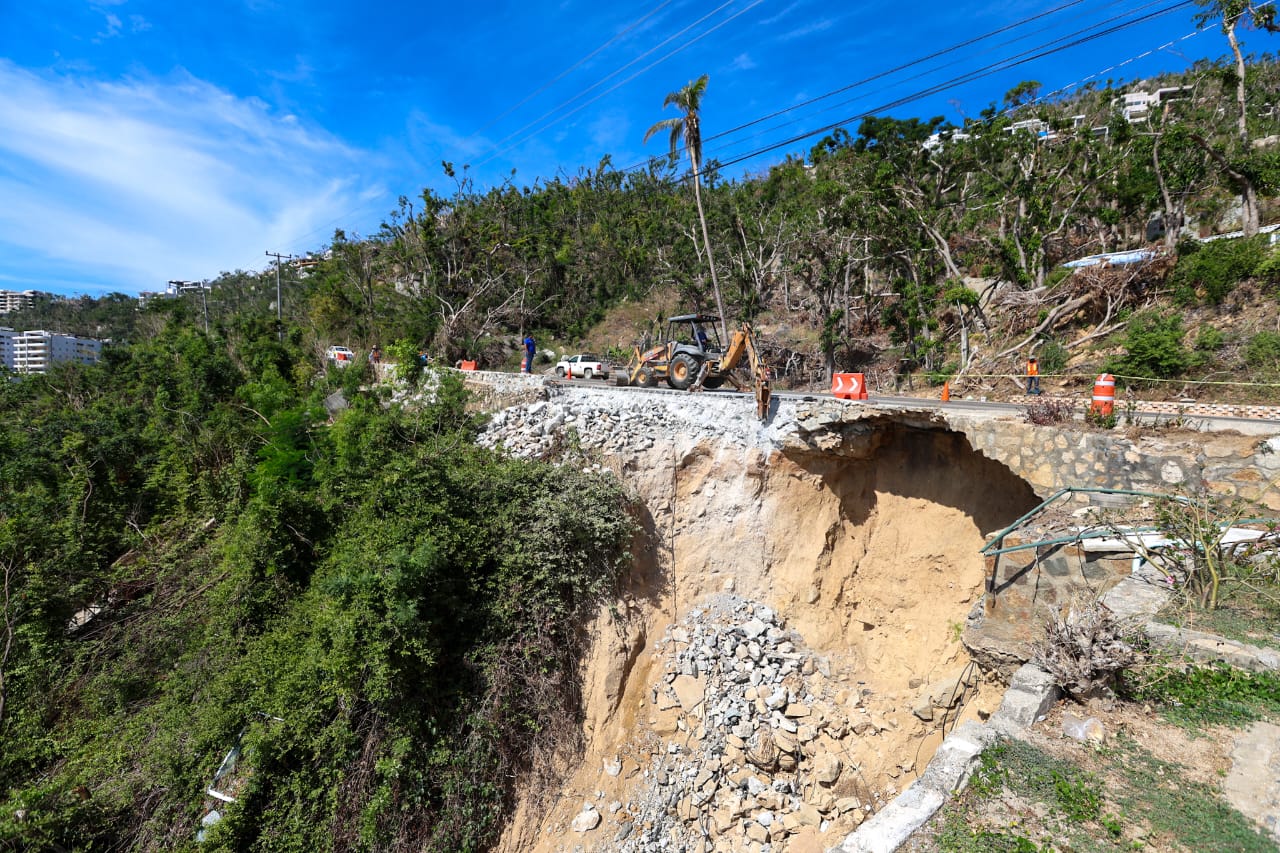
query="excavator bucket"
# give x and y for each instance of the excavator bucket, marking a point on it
(763, 395)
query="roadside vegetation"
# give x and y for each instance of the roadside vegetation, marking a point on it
(386, 618)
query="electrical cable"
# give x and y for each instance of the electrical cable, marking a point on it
(965, 78)
(571, 68)
(956, 62)
(607, 77)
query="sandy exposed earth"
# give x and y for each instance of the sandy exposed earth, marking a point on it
(870, 567)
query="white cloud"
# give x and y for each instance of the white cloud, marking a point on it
(743, 62)
(113, 27)
(131, 183)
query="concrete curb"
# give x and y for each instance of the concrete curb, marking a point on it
(1030, 695)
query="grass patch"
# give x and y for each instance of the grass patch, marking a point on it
(1246, 613)
(1208, 696)
(1184, 815)
(1026, 799)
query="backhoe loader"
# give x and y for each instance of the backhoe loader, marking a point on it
(693, 358)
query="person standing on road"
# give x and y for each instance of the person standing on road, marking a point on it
(1033, 376)
(529, 350)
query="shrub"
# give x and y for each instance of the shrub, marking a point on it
(1216, 268)
(1053, 357)
(1263, 350)
(1045, 412)
(1209, 339)
(1153, 348)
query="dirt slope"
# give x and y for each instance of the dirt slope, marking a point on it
(870, 566)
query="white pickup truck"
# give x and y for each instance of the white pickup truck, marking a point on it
(584, 366)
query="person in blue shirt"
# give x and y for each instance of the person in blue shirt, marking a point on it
(529, 350)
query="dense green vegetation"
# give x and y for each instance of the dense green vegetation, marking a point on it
(191, 550)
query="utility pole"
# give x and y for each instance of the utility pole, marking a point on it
(184, 286)
(279, 322)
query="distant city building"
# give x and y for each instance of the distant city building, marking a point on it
(16, 300)
(6, 347)
(34, 351)
(148, 296)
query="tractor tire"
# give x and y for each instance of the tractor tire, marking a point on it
(622, 379)
(683, 370)
(711, 383)
(646, 379)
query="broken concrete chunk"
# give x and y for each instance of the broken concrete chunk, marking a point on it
(587, 819)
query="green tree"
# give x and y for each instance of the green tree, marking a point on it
(688, 129)
(1230, 14)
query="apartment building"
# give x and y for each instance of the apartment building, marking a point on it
(16, 300)
(34, 351)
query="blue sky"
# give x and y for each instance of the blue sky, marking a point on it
(147, 140)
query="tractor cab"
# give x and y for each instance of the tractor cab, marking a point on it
(695, 332)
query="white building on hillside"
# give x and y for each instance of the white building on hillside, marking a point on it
(16, 300)
(35, 351)
(6, 347)
(1137, 106)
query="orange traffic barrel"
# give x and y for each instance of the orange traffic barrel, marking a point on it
(1104, 395)
(849, 386)
(468, 365)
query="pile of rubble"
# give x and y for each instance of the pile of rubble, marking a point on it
(621, 422)
(752, 746)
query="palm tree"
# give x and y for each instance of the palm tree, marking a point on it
(688, 128)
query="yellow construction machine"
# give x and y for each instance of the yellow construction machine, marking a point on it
(693, 358)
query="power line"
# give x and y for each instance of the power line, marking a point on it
(894, 70)
(618, 85)
(1046, 49)
(572, 68)
(991, 68)
(937, 68)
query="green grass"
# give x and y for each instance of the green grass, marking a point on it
(1023, 799)
(1192, 814)
(1208, 696)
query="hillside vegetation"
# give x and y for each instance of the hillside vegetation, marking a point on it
(380, 614)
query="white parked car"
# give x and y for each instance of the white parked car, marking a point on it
(584, 365)
(340, 356)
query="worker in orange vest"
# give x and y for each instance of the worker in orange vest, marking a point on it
(1033, 376)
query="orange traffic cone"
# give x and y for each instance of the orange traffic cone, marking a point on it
(946, 391)
(570, 373)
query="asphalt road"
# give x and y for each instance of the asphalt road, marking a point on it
(1251, 426)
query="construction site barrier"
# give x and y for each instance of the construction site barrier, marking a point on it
(849, 386)
(467, 365)
(1104, 395)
